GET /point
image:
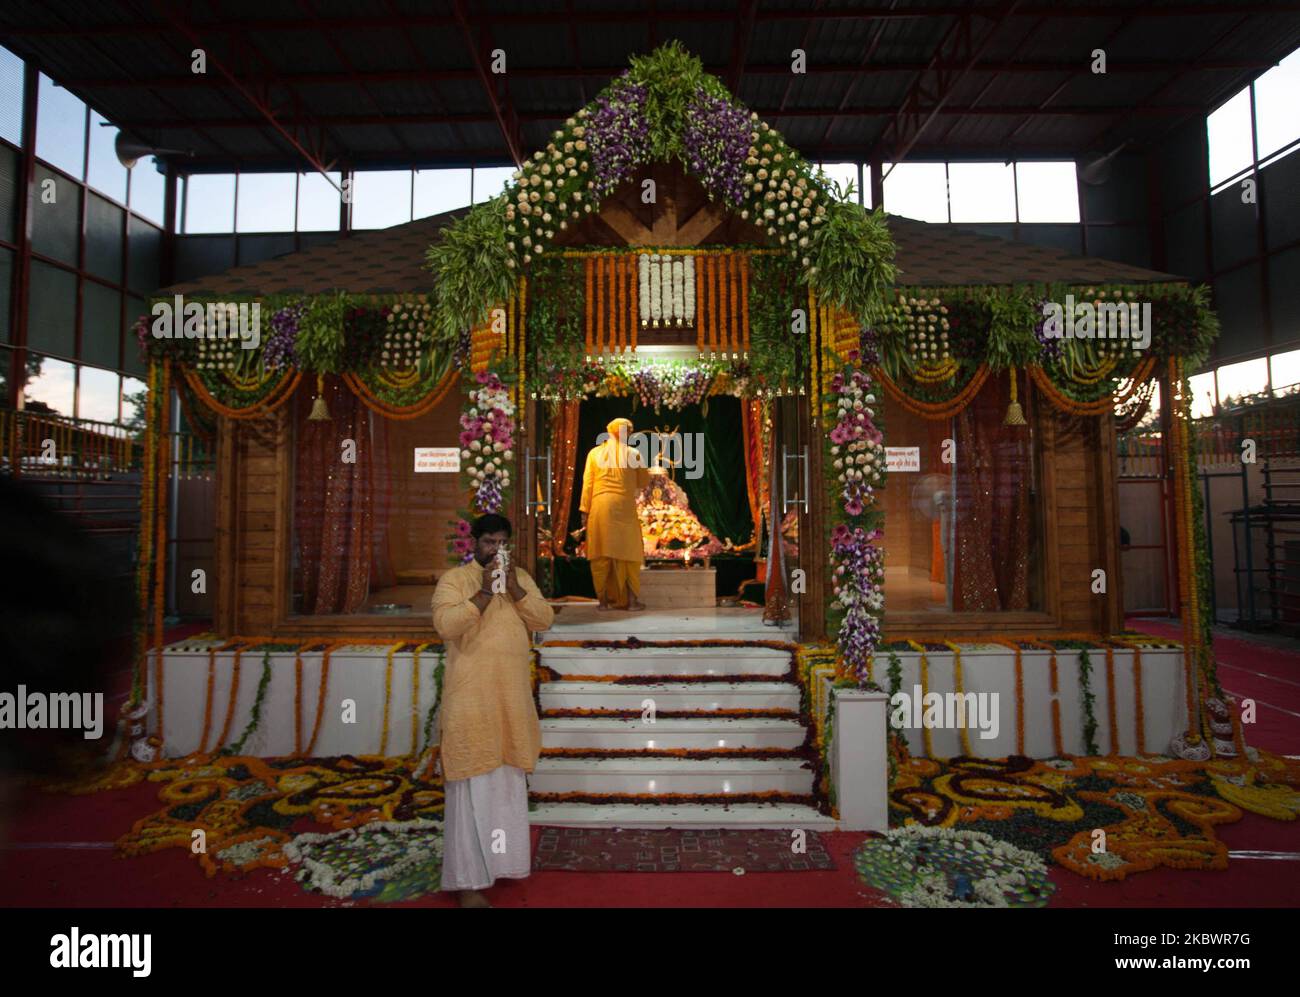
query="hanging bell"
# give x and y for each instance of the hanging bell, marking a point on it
(1015, 414)
(319, 410)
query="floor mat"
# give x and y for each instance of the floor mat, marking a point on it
(575, 849)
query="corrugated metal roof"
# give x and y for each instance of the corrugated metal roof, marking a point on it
(366, 62)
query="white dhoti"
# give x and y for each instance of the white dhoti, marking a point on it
(485, 829)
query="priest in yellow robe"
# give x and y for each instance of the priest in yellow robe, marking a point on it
(490, 735)
(613, 476)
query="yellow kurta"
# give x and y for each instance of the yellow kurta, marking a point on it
(609, 488)
(488, 717)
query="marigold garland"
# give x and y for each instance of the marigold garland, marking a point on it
(297, 702)
(320, 700)
(1112, 708)
(590, 267)
(957, 685)
(1139, 720)
(925, 691)
(234, 696)
(934, 410)
(388, 694)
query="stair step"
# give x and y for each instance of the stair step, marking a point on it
(660, 776)
(656, 661)
(755, 815)
(702, 733)
(671, 695)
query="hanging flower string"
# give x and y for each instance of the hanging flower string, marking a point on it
(487, 441)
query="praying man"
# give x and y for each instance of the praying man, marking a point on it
(490, 733)
(613, 476)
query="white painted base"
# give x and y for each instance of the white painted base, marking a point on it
(700, 733)
(991, 669)
(356, 673)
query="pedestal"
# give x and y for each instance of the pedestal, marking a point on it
(679, 588)
(860, 760)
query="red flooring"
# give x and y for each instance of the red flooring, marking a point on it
(59, 851)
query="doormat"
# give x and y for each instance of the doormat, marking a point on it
(584, 849)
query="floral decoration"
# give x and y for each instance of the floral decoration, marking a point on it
(487, 441)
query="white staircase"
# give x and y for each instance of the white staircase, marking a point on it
(730, 713)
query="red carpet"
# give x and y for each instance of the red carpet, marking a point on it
(73, 864)
(1249, 669)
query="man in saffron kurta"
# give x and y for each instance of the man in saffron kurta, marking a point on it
(613, 476)
(490, 733)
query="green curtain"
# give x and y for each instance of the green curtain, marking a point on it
(718, 498)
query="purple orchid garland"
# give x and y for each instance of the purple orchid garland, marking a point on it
(716, 140)
(858, 577)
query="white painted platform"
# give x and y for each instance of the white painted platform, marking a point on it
(670, 696)
(700, 733)
(581, 621)
(666, 661)
(670, 775)
(753, 815)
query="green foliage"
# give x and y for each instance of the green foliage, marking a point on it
(320, 334)
(473, 269)
(671, 76)
(851, 259)
(772, 348)
(1089, 702)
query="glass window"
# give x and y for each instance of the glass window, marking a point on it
(982, 192)
(101, 322)
(56, 215)
(381, 198)
(969, 533)
(104, 172)
(210, 203)
(1286, 371)
(1202, 388)
(409, 512)
(844, 174)
(11, 97)
(1047, 192)
(149, 189)
(1277, 106)
(917, 190)
(266, 202)
(52, 313)
(61, 129)
(437, 191)
(1229, 132)
(135, 393)
(318, 202)
(1238, 380)
(50, 387)
(97, 394)
(489, 181)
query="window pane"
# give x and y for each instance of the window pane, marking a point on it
(381, 198)
(982, 192)
(1202, 388)
(51, 388)
(52, 315)
(134, 395)
(1277, 105)
(1048, 192)
(1229, 131)
(318, 203)
(437, 191)
(1286, 371)
(104, 172)
(844, 174)
(917, 190)
(489, 181)
(1238, 380)
(210, 204)
(11, 97)
(104, 238)
(101, 322)
(266, 202)
(149, 189)
(97, 398)
(56, 218)
(61, 129)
